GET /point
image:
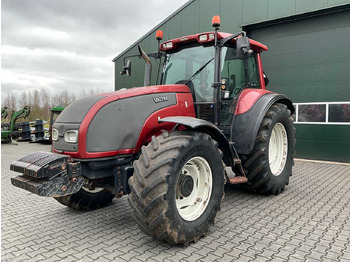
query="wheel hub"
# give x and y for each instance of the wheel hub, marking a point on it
(193, 188)
(186, 185)
(278, 149)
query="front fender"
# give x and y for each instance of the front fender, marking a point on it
(246, 125)
(209, 128)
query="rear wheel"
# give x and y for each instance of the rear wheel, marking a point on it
(177, 186)
(86, 199)
(269, 165)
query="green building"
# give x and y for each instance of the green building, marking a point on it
(308, 60)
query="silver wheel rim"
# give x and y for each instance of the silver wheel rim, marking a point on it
(96, 190)
(193, 206)
(278, 149)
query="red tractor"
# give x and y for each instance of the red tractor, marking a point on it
(168, 145)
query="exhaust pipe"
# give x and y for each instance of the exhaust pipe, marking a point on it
(148, 67)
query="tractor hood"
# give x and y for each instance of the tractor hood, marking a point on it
(77, 110)
(111, 123)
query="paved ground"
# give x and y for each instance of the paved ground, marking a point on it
(310, 221)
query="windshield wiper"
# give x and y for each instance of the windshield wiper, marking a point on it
(198, 71)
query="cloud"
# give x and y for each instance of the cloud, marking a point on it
(61, 44)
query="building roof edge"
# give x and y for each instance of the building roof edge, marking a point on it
(153, 29)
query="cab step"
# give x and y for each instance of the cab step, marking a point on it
(238, 180)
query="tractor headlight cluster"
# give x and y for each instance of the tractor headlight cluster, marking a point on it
(168, 45)
(71, 136)
(54, 135)
(206, 37)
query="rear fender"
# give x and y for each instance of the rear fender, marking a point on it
(249, 115)
(200, 125)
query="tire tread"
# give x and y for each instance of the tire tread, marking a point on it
(146, 198)
(256, 163)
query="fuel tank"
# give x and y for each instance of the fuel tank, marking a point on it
(119, 122)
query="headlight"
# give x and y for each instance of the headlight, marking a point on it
(71, 136)
(54, 135)
(203, 38)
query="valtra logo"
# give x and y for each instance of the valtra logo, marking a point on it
(160, 99)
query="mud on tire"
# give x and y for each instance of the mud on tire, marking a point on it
(85, 199)
(269, 165)
(167, 174)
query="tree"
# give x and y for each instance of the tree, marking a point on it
(36, 112)
(41, 101)
(23, 101)
(45, 103)
(11, 104)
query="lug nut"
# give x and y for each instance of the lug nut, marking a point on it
(74, 179)
(64, 188)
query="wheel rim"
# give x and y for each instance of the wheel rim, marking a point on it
(193, 204)
(94, 191)
(278, 149)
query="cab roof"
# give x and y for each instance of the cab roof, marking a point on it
(205, 38)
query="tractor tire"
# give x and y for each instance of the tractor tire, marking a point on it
(177, 186)
(86, 199)
(269, 166)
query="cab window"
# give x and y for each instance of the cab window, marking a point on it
(233, 70)
(182, 65)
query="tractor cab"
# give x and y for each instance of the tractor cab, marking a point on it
(193, 60)
(216, 66)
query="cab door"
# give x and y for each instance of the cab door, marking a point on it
(236, 74)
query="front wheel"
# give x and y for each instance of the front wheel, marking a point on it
(269, 165)
(177, 186)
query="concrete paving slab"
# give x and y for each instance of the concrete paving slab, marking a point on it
(310, 221)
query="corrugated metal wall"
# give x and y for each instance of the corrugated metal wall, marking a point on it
(196, 17)
(309, 61)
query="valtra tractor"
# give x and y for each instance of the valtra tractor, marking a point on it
(167, 146)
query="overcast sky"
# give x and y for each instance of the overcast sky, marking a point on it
(70, 44)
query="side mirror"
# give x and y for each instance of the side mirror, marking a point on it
(242, 47)
(126, 68)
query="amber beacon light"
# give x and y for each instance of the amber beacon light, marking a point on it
(159, 35)
(216, 21)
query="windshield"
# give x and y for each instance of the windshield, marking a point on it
(197, 65)
(182, 65)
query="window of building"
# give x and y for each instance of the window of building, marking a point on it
(312, 113)
(339, 113)
(322, 113)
